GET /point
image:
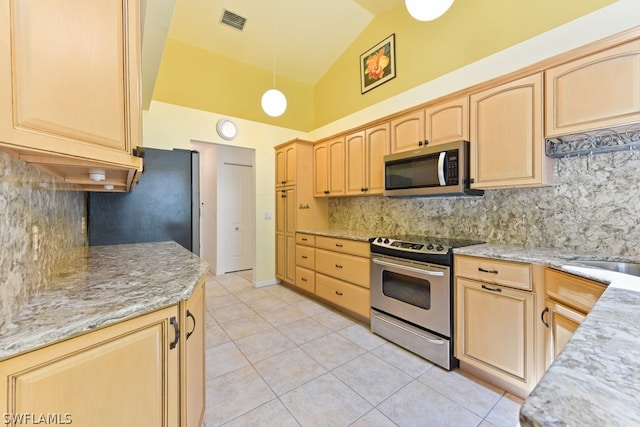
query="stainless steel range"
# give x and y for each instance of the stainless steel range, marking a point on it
(412, 294)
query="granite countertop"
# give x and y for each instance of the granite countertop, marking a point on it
(338, 233)
(104, 285)
(595, 378)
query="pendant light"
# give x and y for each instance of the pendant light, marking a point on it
(427, 10)
(273, 101)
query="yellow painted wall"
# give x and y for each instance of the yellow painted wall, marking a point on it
(195, 78)
(469, 31)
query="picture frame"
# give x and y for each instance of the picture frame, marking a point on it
(378, 64)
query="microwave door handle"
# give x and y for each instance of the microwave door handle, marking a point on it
(441, 163)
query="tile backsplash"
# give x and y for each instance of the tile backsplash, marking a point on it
(28, 198)
(593, 208)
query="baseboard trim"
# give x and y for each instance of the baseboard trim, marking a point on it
(267, 283)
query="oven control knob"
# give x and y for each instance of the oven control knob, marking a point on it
(440, 247)
(386, 241)
(379, 239)
(430, 246)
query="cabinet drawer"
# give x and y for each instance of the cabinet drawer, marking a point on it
(351, 268)
(305, 239)
(305, 256)
(507, 273)
(353, 247)
(346, 295)
(306, 279)
(574, 291)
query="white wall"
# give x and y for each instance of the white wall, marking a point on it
(168, 126)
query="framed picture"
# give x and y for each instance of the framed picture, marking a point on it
(378, 64)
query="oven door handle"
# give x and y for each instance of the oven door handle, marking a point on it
(404, 267)
(441, 170)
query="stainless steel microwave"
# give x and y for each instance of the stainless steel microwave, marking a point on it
(439, 170)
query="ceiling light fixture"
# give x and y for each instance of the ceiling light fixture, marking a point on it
(273, 101)
(427, 10)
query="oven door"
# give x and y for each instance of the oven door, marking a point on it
(416, 292)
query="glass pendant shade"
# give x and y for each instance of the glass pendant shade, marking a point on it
(274, 102)
(427, 10)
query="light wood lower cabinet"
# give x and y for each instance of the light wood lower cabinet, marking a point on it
(123, 375)
(192, 369)
(335, 270)
(351, 297)
(139, 372)
(497, 335)
(568, 300)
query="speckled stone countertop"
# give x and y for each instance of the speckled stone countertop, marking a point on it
(104, 285)
(595, 379)
(341, 234)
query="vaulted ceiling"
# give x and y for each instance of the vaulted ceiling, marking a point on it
(303, 36)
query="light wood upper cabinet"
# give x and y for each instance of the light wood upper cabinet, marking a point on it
(447, 121)
(599, 90)
(286, 165)
(70, 99)
(329, 168)
(507, 144)
(126, 374)
(407, 131)
(364, 165)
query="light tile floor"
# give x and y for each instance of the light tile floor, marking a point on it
(278, 358)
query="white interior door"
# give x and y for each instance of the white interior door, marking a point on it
(237, 223)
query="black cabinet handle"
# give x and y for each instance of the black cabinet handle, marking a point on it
(339, 293)
(304, 279)
(176, 329)
(303, 256)
(487, 271)
(420, 143)
(194, 323)
(546, 310)
(338, 266)
(326, 191)
(426, 142)
(339, 245)
(491, 289)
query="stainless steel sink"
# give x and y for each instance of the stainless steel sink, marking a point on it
(620, 267)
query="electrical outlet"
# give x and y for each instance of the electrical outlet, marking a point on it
(83, 224)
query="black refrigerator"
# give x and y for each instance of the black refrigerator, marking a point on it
(164, 205)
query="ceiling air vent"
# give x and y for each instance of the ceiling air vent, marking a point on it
(233, 20)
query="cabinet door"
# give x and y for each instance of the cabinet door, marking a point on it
(507, 145)
(336, 167)
(193, 366)
(563, 322)
(407, 131)
(377, 146)
(495, 328)
(281, 256)
(286, 166)
(447, 121)
(355, 166)
(72, 80)
(599, 90)
(122, 375)
(320, 169)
